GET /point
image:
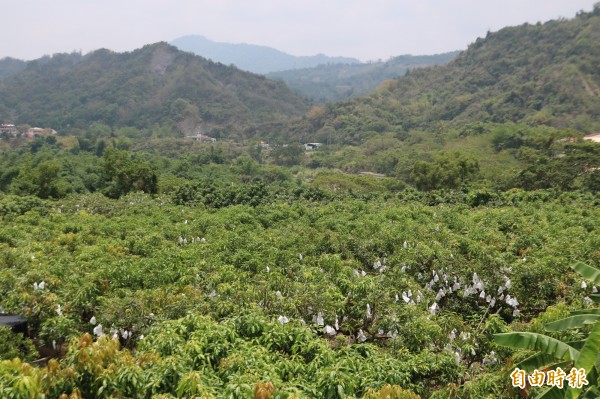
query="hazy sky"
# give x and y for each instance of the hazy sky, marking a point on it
(368, 30)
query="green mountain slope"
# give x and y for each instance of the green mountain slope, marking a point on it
(155, 85)
(10, 66)
(544, 74)
(333, 82)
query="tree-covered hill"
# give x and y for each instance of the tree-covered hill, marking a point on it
(543, 74)
(156, 85)
(332, 82)
(10, 66)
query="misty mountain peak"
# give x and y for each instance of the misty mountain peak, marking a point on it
(251, 57)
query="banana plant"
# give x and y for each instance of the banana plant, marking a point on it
(553, 353)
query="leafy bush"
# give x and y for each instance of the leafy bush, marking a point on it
(14, 345)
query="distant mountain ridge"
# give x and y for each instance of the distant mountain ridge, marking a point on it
(155, 86)
(251, 57)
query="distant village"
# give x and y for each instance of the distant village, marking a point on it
(7, 130)
(207, 139)
(11, 131)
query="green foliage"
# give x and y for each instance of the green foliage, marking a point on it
(576, 321)
(124, 174)
(42, 180)
(548, 345)
(288, 155)
(14, 345)
(447, 171)
(217, 196)
(20, 380)
(587, 272)
(19, 205)
(57, 330)
(586, 358)
(244, 249)
(539, 75)
(245, 243)
(231, 270)
(364, 185)
(157, 85)
(332, 82)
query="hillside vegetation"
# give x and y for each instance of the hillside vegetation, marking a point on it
(10, 66)
(332, 82)
(206, 272)
(543, 74)
(156, 86)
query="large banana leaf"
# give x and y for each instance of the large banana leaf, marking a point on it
(543, 343)
(588, 272)
(592, 393)
(576, 321)
(588, 356)
(551, 393)
(586, 311)
(539, 361)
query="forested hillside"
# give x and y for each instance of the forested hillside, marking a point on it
(543, 74)
(447, 126)
(332, 82)
(10, 66)
(156, 86)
